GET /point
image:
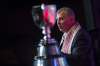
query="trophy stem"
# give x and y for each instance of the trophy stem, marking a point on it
(46, 32)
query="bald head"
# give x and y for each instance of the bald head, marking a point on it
(66, 11)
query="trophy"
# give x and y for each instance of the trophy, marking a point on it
(47, 51)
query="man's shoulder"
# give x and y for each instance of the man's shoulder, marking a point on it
(83, 34)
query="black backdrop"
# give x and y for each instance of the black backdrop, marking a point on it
(18, 30)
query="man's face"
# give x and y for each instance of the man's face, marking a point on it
(63, 21)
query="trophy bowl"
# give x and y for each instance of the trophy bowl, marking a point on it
(44, 15)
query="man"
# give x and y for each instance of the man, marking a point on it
(76, 42)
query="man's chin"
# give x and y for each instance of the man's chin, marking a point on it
(61, 30)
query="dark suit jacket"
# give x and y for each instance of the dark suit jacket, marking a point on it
(82, 54)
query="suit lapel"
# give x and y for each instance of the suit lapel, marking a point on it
(74, 40)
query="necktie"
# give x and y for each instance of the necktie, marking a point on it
(62, 40)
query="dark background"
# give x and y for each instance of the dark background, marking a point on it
(17, 30)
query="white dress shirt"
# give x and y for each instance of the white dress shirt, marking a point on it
(68, 37)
